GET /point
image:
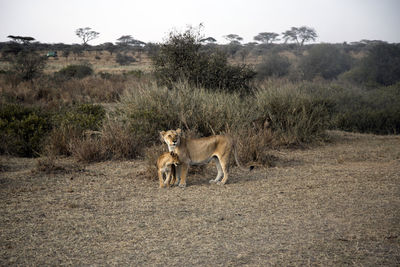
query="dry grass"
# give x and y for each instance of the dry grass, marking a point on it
(329, 205)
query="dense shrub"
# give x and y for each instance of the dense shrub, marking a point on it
(75, 71)
(294, 114)
(25, 66)
(181, 58)
(325, 60)
(124, 59)
(368, 111)
(71, 125)
(22, 130)
(381, 66)
(273, 65)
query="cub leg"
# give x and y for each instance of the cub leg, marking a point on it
(160, 177)
(168, 177)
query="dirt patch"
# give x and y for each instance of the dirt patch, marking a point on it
(336, 204)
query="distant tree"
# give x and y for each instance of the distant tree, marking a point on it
(266, 37)
(208, 40)
(77, 50)
(65, 53)
(128, 40)
(86, 34)
(27, 65)
(21, 39)
(233, 38)
(110, 47)
(300, 35)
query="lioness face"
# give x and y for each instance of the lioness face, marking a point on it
(171, 137)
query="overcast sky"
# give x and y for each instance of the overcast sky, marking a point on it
(335, 21)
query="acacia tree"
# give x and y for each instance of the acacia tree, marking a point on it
(21, 39)
(266, 37)
(126, 40)
(300, 35)
(86, 34)
(233, 38)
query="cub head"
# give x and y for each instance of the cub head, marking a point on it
(172, 138)
(174, 158)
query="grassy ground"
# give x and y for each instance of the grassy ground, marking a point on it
(337, 204)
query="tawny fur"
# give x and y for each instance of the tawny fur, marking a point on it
(201, 151)
(166, 168)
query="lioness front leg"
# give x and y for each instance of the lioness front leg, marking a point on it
(183, 172)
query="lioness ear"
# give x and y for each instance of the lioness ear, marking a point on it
(178, 131)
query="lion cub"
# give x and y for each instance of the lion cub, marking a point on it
(166, 167)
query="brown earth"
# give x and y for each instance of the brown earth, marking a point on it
(336, 204)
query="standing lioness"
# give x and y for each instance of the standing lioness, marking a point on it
(200, 151)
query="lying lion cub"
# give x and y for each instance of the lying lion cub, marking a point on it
(166, 167)
(201, 151)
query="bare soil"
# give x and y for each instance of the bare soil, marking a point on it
(335, 204)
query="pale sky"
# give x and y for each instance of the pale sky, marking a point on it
(335, 21)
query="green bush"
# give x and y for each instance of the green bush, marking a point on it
(71, 125)
(325, 60)
(369, 111)
(294, 114)
(25, 66)
(180, 58)
(273, 65)
(381, 66)
(75, 71)
(124, 59)
(22, 130)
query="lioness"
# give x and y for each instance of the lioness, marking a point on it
(201, 151)
(166, 167)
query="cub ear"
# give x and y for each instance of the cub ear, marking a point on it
(178, 131)
(162, 133)
(172, 153)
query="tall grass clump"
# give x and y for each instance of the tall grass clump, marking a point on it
(152, 109)
(295, 115)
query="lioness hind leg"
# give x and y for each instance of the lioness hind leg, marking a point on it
(220, 172)
(225, 167)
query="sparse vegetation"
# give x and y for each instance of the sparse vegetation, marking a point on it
(94, 124)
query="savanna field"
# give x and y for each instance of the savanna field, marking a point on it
(80, 138)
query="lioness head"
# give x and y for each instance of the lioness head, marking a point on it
(171, 138)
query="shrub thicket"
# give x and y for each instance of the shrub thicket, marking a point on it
(76, 71)
(369, 111)
(273, 65)
(23, 129)
(324, 60)
(180, 58)
(381, 66)
(124, 59)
